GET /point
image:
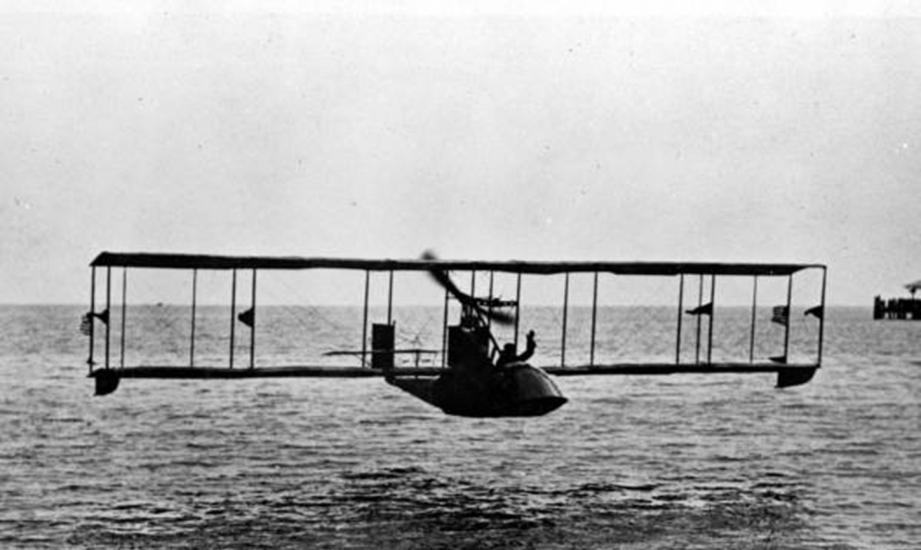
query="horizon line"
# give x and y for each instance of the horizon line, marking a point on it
(241, 306)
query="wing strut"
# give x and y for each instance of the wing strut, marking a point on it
(751, 339)
(233, 312)
(680, 315)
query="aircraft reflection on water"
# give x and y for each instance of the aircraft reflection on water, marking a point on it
(478, 377)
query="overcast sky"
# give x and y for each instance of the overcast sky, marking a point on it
(595, 135)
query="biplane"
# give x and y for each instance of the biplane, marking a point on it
(477, 376)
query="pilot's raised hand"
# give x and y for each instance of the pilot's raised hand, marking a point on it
(531, 343)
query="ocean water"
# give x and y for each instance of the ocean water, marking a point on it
(681, 461)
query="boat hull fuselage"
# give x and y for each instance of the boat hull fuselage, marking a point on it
(517, 389)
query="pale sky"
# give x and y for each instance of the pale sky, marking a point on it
(589, 134)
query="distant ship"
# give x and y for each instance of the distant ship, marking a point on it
(899, 308)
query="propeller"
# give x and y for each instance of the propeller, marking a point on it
(443, 279)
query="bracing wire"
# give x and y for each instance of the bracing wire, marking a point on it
(406, 336)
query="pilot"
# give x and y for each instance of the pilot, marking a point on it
(509, 353)
(469, 319)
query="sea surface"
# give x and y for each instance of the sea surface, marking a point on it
(680, 461)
